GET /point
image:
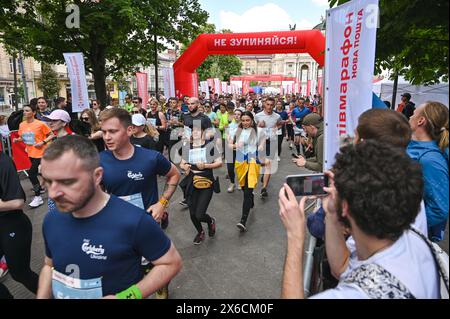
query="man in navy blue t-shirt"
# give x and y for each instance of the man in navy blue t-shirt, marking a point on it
(131, 172)
(94, 241)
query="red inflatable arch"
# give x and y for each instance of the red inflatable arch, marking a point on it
(186, 82)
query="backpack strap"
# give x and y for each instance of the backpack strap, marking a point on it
(378, 283)
(437, 252)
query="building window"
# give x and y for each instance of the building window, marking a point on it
(11, 66)
(304, 74)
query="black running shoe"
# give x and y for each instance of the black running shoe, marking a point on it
(264, 193)
(199, 238)
(212, 227)
(165, 220)
(241, 227)
(184, 203)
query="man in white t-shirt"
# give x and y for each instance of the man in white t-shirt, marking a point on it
(269, 124)
(375, 193)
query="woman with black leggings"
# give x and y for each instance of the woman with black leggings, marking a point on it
(15, 229)
(198, 162)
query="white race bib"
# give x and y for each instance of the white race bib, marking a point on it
(66, 287)
(135, 199)
(197, 155)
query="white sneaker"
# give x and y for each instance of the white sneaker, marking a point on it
(231, 188)
(239, 187)
(278, 159)
(36, 202)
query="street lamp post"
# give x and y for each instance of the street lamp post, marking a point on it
(15, 100)
(24, 80)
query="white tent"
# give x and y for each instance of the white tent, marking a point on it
(419, 93)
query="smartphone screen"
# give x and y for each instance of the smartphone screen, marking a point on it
(307, 185)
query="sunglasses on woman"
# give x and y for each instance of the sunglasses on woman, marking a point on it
(85, 119)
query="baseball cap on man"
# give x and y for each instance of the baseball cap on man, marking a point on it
(313, 119)
(138, 119)
(407, 95)
(58, 115)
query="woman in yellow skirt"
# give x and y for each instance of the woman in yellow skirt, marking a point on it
(247, 165)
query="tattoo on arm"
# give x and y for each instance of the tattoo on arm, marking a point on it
(169, 189)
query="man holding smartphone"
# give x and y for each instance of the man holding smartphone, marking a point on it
(376, 205)
(313, 125)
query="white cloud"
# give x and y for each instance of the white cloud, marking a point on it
(269, 17)
(321, 3)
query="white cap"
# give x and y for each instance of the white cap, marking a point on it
(60, 115)
(138, 119)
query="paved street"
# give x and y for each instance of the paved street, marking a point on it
(231, 265)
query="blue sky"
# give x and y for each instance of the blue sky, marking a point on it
(264, 15)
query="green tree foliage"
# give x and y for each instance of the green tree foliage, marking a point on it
(113, 35)
(48, 82)
(216, 66)
(413, 39)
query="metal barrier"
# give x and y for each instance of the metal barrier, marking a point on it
(309, 254)
(16, 151)
(6, 145)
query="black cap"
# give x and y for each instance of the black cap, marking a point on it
(407, 95)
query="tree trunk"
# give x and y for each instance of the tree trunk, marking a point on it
(394, 91)
(156, 67)
(98, 62)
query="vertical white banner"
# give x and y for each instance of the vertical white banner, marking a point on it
(169, 82)
(77, 76)
(349, 64)
(217, 86)
(224, 87)
(204, 87)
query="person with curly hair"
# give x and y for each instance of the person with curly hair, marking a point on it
(375, 192)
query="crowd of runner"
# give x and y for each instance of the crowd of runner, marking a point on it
(101, 167)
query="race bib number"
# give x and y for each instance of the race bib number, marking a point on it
(187, 132)
(135, 199)
(197, 155)
(28, 138)
(66, 287)
(151, 122)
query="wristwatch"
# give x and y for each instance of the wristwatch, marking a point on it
(164, 202)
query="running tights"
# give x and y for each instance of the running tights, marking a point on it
(15, 244)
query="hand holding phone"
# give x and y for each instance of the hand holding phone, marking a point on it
(308, 184)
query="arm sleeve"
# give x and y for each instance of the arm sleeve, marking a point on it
(163, 165)
(150, 241)
(436, 188)
(10, 187)
(46, 130)
(316, 163)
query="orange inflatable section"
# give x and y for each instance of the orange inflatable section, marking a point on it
(186, 80)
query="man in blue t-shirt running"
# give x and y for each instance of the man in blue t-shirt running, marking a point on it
(93, 249)
(130, 172)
